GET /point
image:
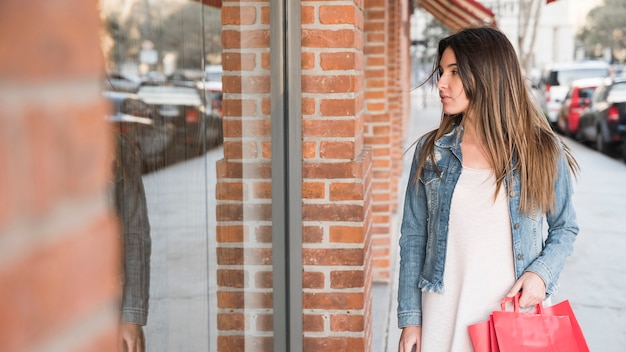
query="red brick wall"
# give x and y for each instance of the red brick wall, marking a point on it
(58, 239)
(349, 153)
(336, 185)
(387, 107)
(378, 130)
(243, 193)
(338, 217)
(400, 94)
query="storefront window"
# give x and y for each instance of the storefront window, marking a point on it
(189, 87)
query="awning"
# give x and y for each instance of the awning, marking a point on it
(456, 14)
(214, 3)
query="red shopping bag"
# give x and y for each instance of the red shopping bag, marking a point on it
(483, 336)
(533, 331)
(564, 308)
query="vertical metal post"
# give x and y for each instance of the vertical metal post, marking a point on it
(286, 96)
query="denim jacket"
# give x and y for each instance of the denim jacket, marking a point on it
(424, 230)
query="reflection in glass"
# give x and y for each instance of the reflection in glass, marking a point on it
(210, 280)
(163, 105)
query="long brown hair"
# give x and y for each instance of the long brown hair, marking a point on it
(506, 117)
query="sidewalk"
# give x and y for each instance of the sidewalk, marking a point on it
(425, 115)
(594, 278)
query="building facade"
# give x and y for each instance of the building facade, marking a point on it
(267, 240)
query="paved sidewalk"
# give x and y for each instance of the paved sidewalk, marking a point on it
(425, 116)
(594, 279)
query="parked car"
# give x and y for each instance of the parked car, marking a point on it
(213, 105)
(185, 77)
(135, 119)
(213, 73)
(577, 99)
(556, 79)
(153, 78)
(604, 121)
(120, 82)
(183, 106)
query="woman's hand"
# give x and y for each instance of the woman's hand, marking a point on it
(411, 336)
(131, 338)
(533, 289)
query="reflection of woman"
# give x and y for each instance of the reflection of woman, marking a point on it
(480, 187)
(130, 202)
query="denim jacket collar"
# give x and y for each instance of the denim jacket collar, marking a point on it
(453, 140)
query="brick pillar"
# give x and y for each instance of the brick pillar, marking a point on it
(243, 191)
(399, 88)
(337, 180)
(401, 122)
(378, 131)
(59, 251)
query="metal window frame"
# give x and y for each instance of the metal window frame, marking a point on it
(286, 136)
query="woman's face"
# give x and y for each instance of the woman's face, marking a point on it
(450, 87)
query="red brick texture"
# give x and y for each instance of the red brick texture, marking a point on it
(349, 131)
(337, 311)
(243, 191)
(59, 248)
(378, 129)
(401, 96)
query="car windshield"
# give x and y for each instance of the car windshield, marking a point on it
(586, 92)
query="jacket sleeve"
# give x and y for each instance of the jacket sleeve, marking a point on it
(562, 230)
(133, 213)
(412, 250)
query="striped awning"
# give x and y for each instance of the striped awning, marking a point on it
(456, 14)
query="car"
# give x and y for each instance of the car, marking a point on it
(121, 82)
(577, 99)
(136, 120)
(185, 77)
(604, 121)
(183, 106)
(213, 73)
(153, 77)
(213, 96)
(556, 79)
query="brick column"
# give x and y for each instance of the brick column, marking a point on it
(401, 122)
(336, 189)
(399, 88)
(337, 179)
(378, 131)
(59, 249)
(243, 192)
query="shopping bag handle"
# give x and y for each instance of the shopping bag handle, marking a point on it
(515, 301)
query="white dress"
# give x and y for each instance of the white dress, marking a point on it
(479, 268)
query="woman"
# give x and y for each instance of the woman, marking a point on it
(480, 187)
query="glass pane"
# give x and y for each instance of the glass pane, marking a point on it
(189, 97)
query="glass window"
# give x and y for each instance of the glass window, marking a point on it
(188, 104)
